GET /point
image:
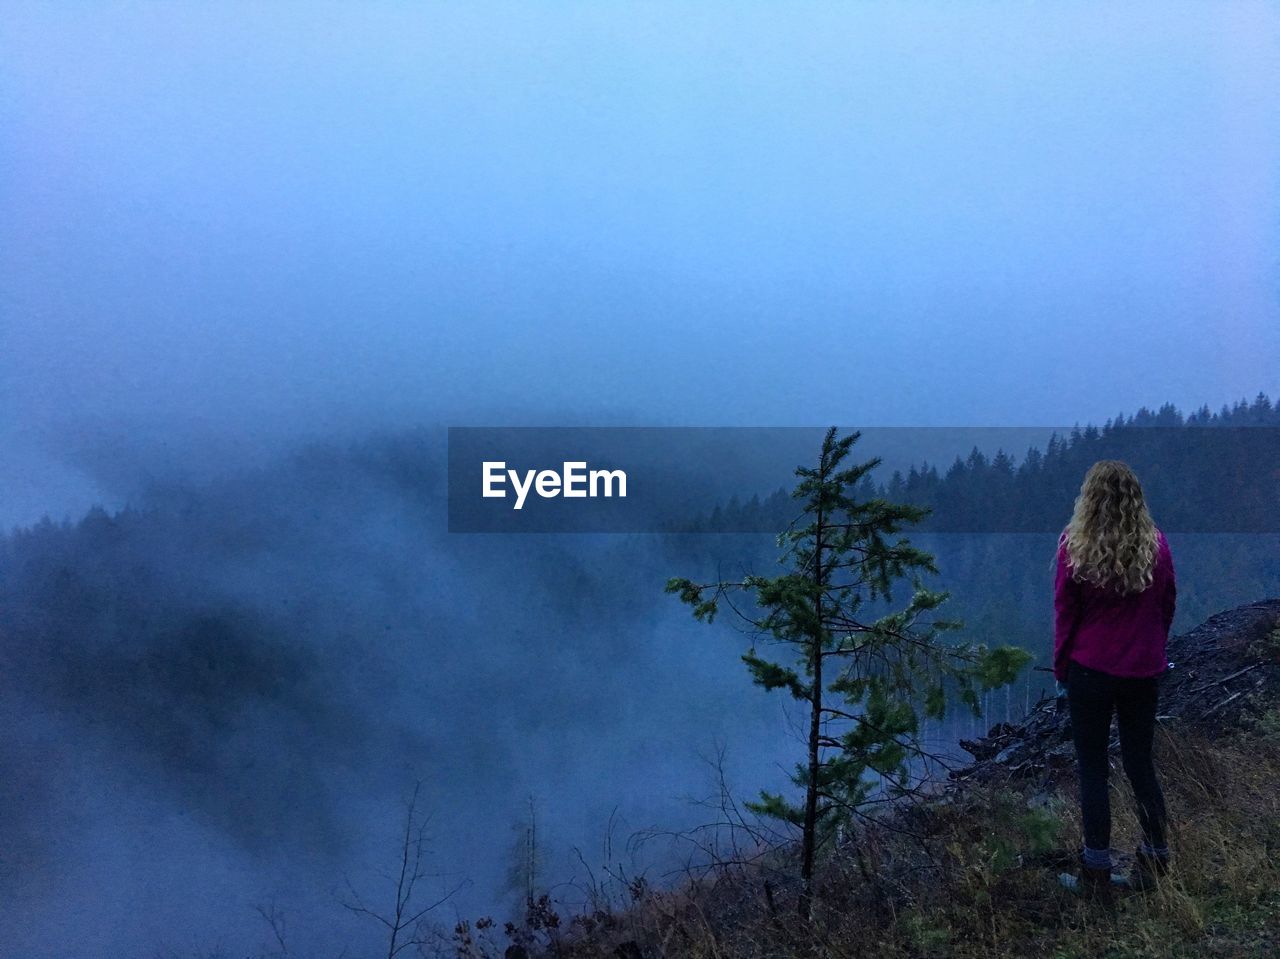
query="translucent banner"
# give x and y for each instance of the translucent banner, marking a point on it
(979, 479)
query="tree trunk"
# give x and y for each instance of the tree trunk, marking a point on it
(809, 839)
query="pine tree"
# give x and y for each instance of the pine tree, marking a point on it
(865, 682)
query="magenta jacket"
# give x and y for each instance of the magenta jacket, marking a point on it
(1120, 635)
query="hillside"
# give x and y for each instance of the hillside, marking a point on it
(972, 871)
(293, 645)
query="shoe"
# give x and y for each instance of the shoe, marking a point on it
(1147, 870)
(1095, 885)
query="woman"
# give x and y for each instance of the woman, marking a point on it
(1114, 597)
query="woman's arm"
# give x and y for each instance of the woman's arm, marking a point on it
(1170, 598)
(1066, 609)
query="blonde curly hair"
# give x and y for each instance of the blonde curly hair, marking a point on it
(1111, 539)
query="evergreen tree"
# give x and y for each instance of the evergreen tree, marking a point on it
(865, 681)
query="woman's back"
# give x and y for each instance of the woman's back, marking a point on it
(1098, 627)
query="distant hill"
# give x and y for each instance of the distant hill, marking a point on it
(1204, 472)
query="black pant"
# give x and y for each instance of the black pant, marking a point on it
(1092, 697)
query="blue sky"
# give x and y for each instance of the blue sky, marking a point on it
(227, 224)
